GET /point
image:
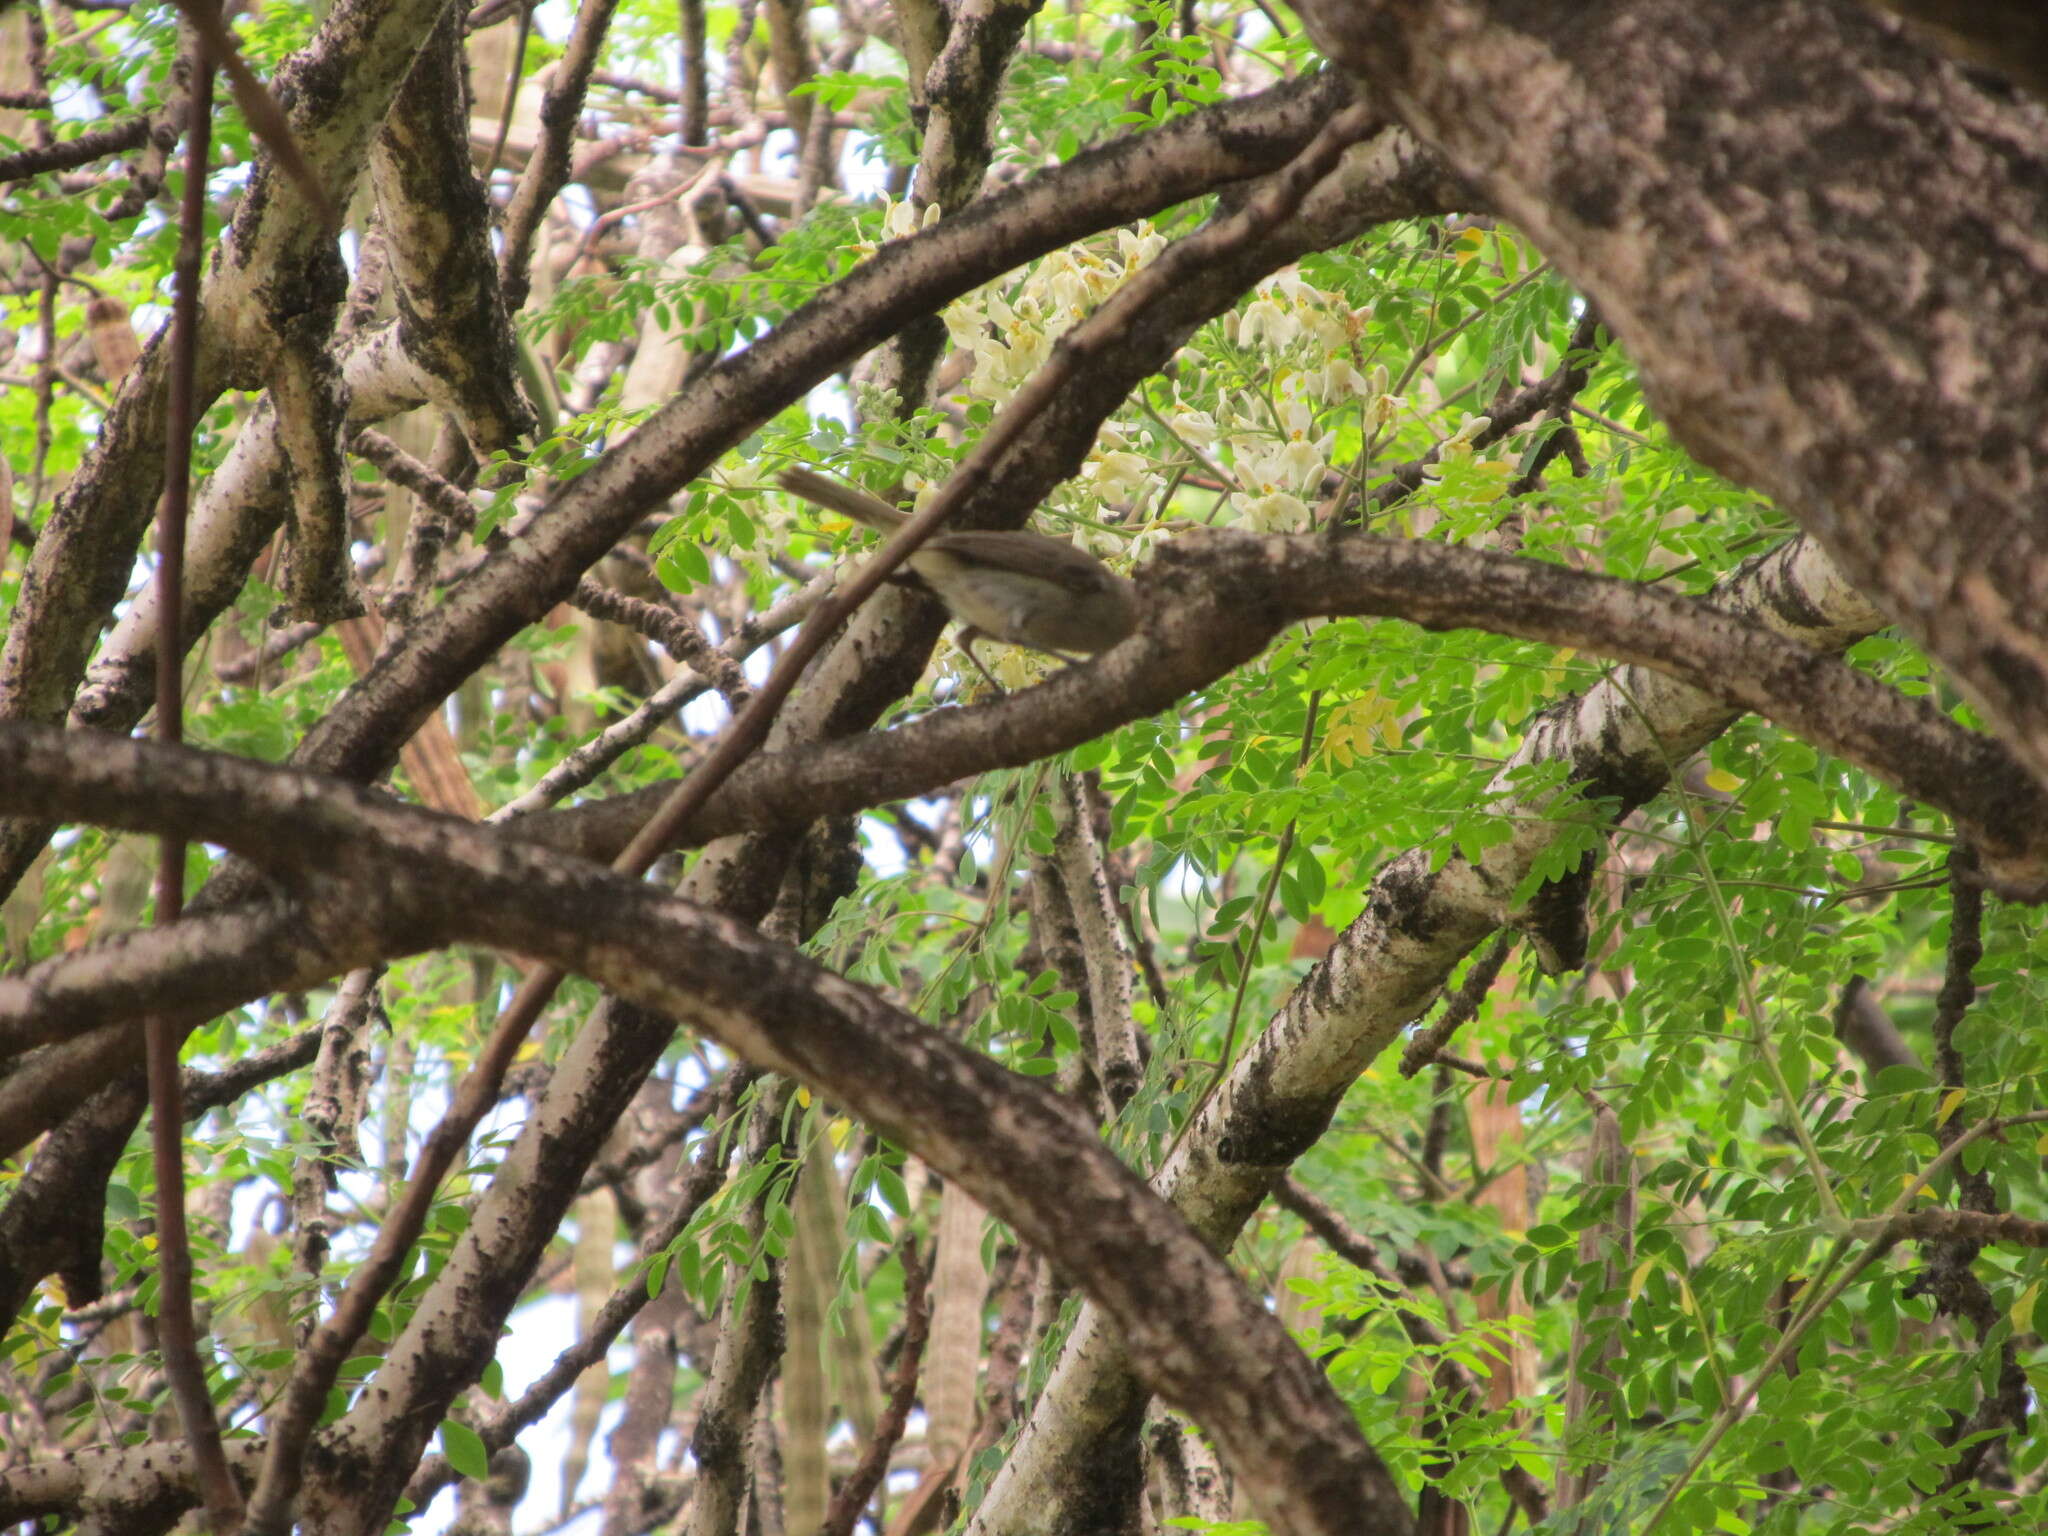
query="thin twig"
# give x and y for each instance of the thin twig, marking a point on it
(861, 1483)
(46, 385)
(266, 117)
(1461, 1009)
(177, 1332)
(69, 154)
(511, 93)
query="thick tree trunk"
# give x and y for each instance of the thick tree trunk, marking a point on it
(1826, 247)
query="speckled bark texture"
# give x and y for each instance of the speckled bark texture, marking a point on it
(1826, 246)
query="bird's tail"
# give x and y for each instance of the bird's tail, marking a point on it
(837, 496)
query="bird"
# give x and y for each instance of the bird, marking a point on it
(1017, 587)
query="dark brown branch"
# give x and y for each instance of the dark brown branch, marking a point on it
(205, 1091)
(866, 1477)
(1972, 1227)
(1338, 1235)
(696, 82)
(69, 154)
(177, 1329)
(1958, 985)
(1214, 600)
(672, 632)
(1950, 1276)
(1196, 1334)
(1216, 597)
(1459, 1009)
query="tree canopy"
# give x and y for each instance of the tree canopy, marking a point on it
(540, 989)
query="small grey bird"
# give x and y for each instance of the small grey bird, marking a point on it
(1021, 588)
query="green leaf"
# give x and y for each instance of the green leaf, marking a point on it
(464, 1448)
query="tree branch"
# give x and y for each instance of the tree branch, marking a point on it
(1199, 1337)
(1814, 175)
(69, 154)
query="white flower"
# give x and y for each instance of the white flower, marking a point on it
(1468, 429)
(1275, 512)
(1193, 426)
(1302, 462)
(1139, 246)
(1264, 319)
(1069, 285)
(1290, 286)
(1118, 475)
(1266, 470)
(1337, 380)
(966, 323)
(898, 219)
(1329, 327)
(1103, 543)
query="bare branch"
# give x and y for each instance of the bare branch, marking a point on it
(69, 154)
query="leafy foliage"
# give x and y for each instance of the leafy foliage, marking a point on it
(1732, 916)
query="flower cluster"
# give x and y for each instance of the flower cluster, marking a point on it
(1010, 334)
(1256, 454)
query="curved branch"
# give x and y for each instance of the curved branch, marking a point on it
(1214, 599)
(1845, 307)
(69, 154)
(907, 279)
(1200, 1338)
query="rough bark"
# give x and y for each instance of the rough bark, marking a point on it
(1384, 970)
(1201, 1338)
(1824, 245)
